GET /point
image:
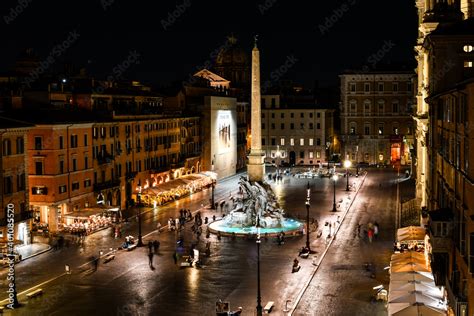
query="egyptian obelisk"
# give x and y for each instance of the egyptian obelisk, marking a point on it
(256, 166)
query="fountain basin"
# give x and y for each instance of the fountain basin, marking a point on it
(290, 227)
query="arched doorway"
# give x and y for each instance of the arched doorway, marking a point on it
(292, 158)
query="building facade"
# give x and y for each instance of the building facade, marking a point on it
(295, 134)
(376, 122)
(14, 181)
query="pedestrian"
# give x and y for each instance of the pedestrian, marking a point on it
(376, 230)
(150, 259)
(150, 246)
(370, 234)
(175, 257)
(156, 245)
(158, 227)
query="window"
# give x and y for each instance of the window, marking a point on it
(7, 147)
(409, 86)
(467, 48)
(263, 141)
(38, 143)
(352, 130)
(318, 115)
(87, 183)
(39, 190)
(263, 125)
(380, 86)
(273, 115)
(367, 130)
(311, 155)
(318, 154)
(318, 141)
(282, 126)
(282, 142)
(367, 106)
(311, 126)
(273, 125)
(273, 141)
(8, 185)
(352, 87)
(367, 87)
(95, 134)
(302, 115)
(86, 139)
(395, 130)
(20, 145)
(86, 162)
(62, 188)
(75, 186)
(395, 107)
(302, 125)
(311, 115)
(61, 166)
(292, 142)
(73, 141)
(292, 126)
(39, 167)
(353, 105)
(318, 125)
(311, 142)
(264, 102)
(74, 164)
(20, 182)
(381, 105)
(61, 142)
(282, 115)
(292, 115)
(103, 132)
(395, 87)
(380, 129)
(301, 154)
(468, 64)
(301, 141)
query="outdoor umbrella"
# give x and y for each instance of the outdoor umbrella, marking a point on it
(406, 309)
(432, 291)
(412, 276)
(415, 297)
(398, 283)
(407, 267)
(408, 255)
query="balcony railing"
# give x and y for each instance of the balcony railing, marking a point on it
(130, 175)
(106, 185)
(105, 158)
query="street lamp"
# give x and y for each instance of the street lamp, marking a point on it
(347, 165)
(334, 178)
(259, 297)
(213, 184)
(139, 195)
(308, 192)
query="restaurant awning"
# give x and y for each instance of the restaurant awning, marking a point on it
(417, 309)
(411, 233)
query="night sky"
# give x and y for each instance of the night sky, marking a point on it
(323, 37)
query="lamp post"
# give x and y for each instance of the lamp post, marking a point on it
(259, 297)
(212, 190)
(334, 178)
(139, 195)
(347, 165)
(308, 192)
(277, 161)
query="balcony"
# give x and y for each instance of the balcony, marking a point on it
(106, 185)
(130, 175)
(105, 158)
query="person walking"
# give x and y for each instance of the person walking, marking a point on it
(370, 234)
(175, 257)
(150, 246)
(376, 230)
(158, 227)
(156, 246)
(150, 260)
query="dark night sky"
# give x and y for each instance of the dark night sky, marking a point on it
(285, 28)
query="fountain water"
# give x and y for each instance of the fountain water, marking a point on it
(255, 200)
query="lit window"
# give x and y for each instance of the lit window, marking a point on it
(292, 142)
(468, 64)
(318, 154)
(301, 141)
(380, 130)
(468, 48)
(282, 142)
(310, 155)
(311, 142)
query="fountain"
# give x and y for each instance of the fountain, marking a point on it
(255, 201)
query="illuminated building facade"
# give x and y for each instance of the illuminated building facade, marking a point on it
(376, 122)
